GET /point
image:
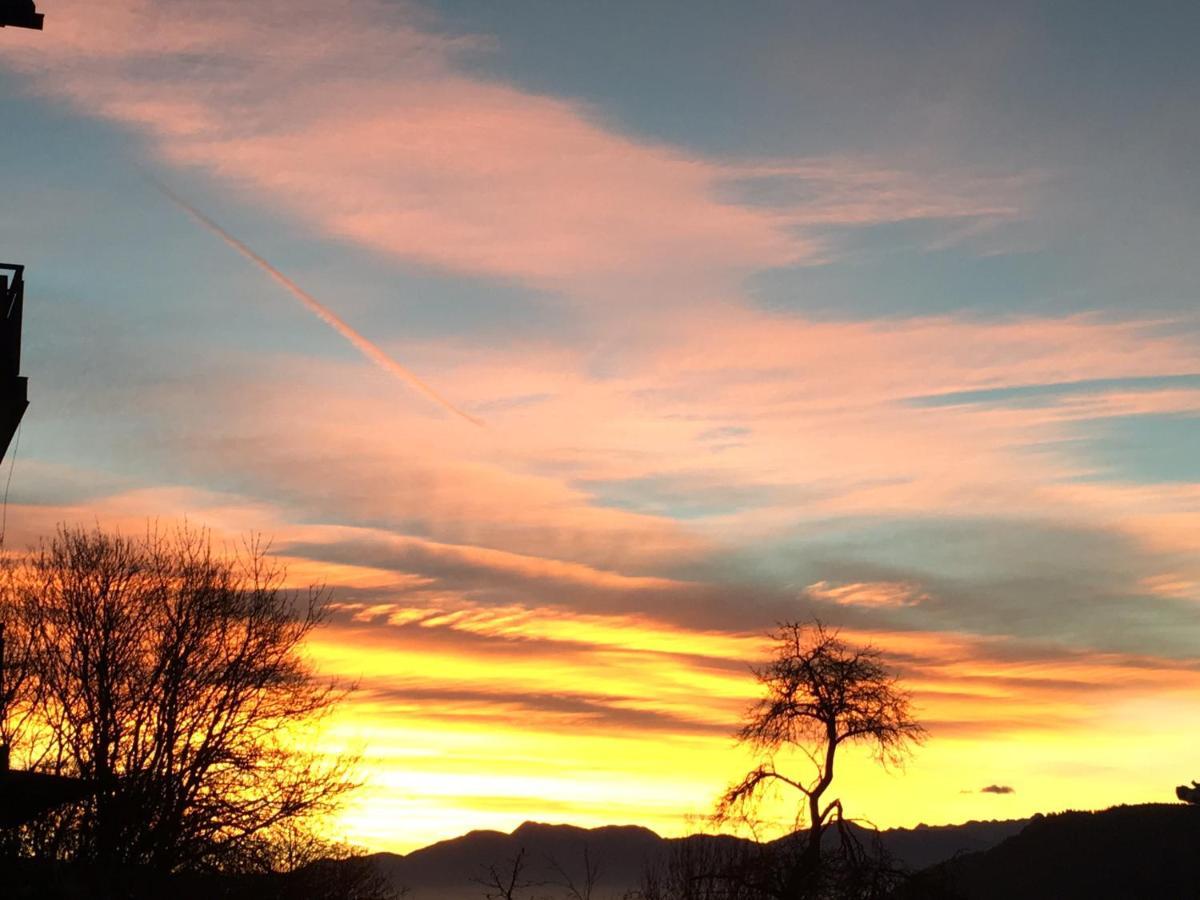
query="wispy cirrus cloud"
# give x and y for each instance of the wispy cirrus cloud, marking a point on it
(878, 593)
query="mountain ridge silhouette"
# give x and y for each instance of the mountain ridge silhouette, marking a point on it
(445, 870)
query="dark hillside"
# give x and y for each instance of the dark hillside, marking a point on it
(446, 869)
(1150, 851)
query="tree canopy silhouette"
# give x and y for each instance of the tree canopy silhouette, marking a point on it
(171, 679)
(820, 693)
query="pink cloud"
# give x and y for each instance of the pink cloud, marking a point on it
(870, 594)
(526, 500)
(373, 132)
(816, 405)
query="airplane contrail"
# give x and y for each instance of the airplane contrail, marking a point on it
(324, 313)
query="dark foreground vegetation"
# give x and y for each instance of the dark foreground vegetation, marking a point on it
(1126, 852)
(348, 878)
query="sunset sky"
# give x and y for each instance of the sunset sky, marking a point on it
(887, 313)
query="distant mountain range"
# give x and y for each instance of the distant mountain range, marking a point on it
(449, 870)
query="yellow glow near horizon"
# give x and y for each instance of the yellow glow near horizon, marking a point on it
(519, 718)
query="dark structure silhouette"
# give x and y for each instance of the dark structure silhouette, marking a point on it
(14, 394)
(23, 795)
(20, 14)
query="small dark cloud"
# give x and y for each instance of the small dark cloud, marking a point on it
(997, 789)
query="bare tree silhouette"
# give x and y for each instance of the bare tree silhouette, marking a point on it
(821, 693)
(504, 882)
(170, 678)
(581, 888)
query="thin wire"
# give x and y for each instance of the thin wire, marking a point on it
(7, 485)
